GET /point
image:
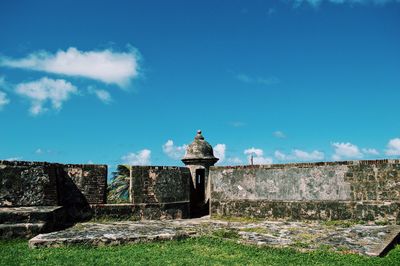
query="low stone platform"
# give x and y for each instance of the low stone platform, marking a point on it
(26, 222)
(372, 240)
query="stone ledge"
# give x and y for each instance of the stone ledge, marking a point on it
(116, 233)
(21, 230)
(313, 164)
(388, 212)
(142, 211)
(11, 215)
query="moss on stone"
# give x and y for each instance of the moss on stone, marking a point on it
(258, 230)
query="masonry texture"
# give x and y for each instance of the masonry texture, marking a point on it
(359, 190)
(28, 184)
(50, 184)
(142, 211)
(157, 193)
(73, 186)
(160, 184)
(90, 179)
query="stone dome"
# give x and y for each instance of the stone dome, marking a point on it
(199, 149)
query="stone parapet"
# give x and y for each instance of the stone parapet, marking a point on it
(360, 190)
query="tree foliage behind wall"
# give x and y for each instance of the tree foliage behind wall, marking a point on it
(118, 189)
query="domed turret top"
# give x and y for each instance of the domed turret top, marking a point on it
(199, 136)
(199, 149)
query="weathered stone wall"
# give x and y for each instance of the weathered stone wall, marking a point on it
(360, 190)
(90, 179)
(160, 184)
(51, 184)
(28, 184)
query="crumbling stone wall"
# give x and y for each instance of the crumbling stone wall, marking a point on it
(160, 184)
(28, 184)
(90, 179)
(359, 190)
(51, 184)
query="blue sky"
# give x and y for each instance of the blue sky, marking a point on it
(131, 81)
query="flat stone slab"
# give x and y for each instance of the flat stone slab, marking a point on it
(20, 230)
(27, 222)
(29, 209)
(372, 240)
(27, 214)
(100, 234)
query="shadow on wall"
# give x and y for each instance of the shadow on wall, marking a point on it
(199, 206)
(72, 186)
(70, 196)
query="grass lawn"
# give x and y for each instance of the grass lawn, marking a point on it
(196, 251)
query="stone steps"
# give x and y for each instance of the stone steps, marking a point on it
(21, 230)
(29, 221)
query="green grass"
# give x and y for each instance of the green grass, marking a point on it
(226, 233)
(198, 251)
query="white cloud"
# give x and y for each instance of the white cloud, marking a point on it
(255, 151)
(261, 160)
(106, 66)
(257, 155)
(299, 155)
(3, 96)
(393, 147)
(258, 80)
(102, 95)
(172, 151)
(316, 3)
(280, 155)
(17, 158)
(3, 84)
(346, 151)
(39, 92)
(370, 151)
(308, 156)
(40, 151)
(219, 152)
(234, 160)
(3, 99)
(279, 134)
(140, 158)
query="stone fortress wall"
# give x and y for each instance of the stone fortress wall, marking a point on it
(41, 197)
(158, 184)
(73, 186)
(37, 197)
(157, 192)
(28, 184)
(50, 184)
(356, 190)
